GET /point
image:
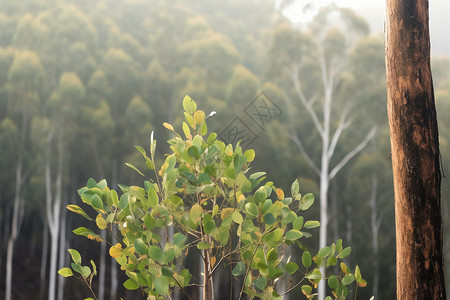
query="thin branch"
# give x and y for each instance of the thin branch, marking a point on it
(248, 270)
(305, 102)
(352, 153)
(292, 287)
(305, 155)
(343, 124)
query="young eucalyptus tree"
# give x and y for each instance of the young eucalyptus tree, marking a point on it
(317, 62)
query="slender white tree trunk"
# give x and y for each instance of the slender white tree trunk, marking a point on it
(375, 226)
(14, 231)
(44, 257)
(62, 252)
(53, 215)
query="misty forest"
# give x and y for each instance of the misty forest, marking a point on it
(83, 82)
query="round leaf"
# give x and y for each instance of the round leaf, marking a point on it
(65, 272)
(251, 209)
(157, 254)
(306, 259)
(291, 267)
(76, 257)
(131, 285)
(293, 235)
(189, 105)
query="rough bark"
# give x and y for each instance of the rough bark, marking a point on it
(415, 151)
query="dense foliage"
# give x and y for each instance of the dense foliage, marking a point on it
(81, 82)
(204, 197)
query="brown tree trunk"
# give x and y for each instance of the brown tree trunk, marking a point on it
(415, 151)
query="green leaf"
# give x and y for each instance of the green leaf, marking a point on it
(348, 279)
(76, 267)
(224, 235)
(101, 222)
(251, 209)
(315, 274)
(195, 213)
(162, 285)
(295, 188)
(211, 138)
(306, 201)
(260, 282)
(293, 235)
(134, 168)
(306, 290)
(298, 223)
(239, 161)
(266, 206)
(272, 257)
(83, 231)
(260, 195)
(311, 224)
(78, 210)
(76, 257)
(94, 267)
(269, 219)
(85, 271)
(209, 226)
(156, 254)
(131, 285)
(203, 245)
(345, 252)
(291, 267)
(140, 247)
(323, 252)
(239, 269)
(124, 201)
(152, 197)
(249, 155)
(306, 259)
(237, 217)
(91, 183)
(65, 272)
(333, 282)
(189, 105)
(358, 276)
(179, 239)
(199, 116)
(97, 202)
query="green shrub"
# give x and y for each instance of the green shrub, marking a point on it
(207, 196)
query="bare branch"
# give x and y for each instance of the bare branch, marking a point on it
(343, 124)
(305, 155)
(307, 104)
(352, 153)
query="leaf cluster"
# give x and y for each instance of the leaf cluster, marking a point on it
(206, 192)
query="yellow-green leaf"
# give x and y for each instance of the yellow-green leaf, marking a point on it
(101, 222)
(168, 126)
(189, 105)
(78, 210)
(65, 272)
(134, 168)
(199, 117)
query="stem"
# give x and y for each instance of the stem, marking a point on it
(246, 273)
(293, 287)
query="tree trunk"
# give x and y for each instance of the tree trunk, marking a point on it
(63, 246)
(375, 226)
(14, 231)
(44, 257)
(415, 151)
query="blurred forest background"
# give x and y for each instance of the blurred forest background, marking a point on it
(82, 82)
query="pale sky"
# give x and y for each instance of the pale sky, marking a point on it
(374, 12)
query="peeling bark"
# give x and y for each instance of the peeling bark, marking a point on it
(415, 151)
